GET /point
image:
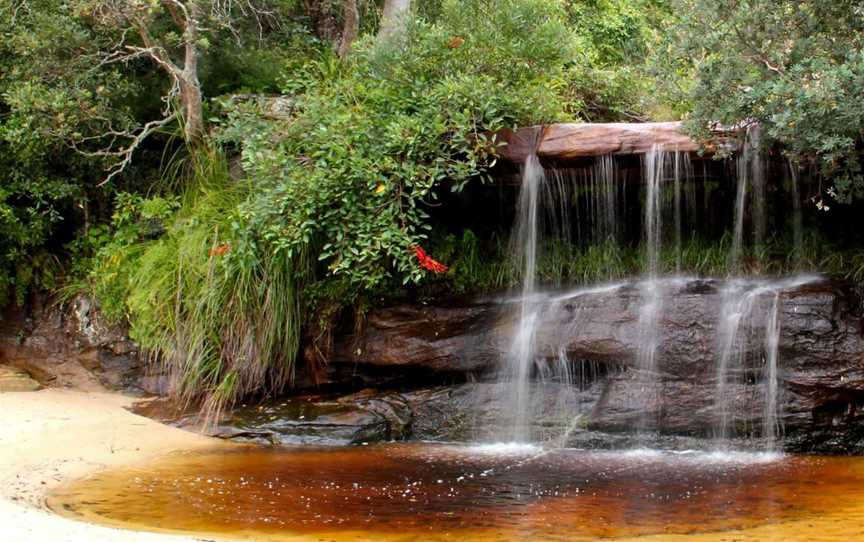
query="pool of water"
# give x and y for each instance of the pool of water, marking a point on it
(494, 492)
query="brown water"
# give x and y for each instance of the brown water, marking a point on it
(433, 492)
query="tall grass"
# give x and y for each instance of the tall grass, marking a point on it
(221, 315)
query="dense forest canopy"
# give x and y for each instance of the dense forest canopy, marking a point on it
(229, 176)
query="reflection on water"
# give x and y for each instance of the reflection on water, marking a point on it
(434, 492)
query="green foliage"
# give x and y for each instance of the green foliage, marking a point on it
(223, 319)
(796, 67)
(478, 266)
(59, 95)
(348, 178)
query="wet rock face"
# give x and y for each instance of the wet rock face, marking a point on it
(820, 365)
(355, 419)
(73, 346)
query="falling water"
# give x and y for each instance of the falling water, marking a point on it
(605, 187)
(597, 204)
(770, 427)
(797, 221)
(651, 289)
(520, 358)
(743, 308)
(751, 178)
(750, 308)
(757, 176)
(740, 210)
(655, 162)
(678, 210)
(736, 308)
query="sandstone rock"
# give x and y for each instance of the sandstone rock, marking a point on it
(821, 361)
(565, 142)
(73, 346)
(361, 418)
(13, 380)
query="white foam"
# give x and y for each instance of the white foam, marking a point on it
(705, 457)
(506, 448)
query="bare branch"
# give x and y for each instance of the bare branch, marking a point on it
(125, 154)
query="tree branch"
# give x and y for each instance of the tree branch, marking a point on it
(127, 152)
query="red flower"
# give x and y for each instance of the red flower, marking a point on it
(220, 250)
(426, 262)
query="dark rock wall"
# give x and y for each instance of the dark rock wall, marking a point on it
(821, 362)
(72, 346)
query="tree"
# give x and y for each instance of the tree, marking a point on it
(88, 79)
(175, 50)
(350, 28)
(394, 17)
(794, 66)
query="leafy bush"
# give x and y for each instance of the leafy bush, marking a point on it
(796, 67)
(348, 177)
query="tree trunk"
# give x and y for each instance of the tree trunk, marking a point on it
(193, 115)
(190, 87)
(394, 18)
(323, 22)
(350, 28)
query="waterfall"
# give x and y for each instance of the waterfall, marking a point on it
(740, 209)
(605, 197)
(521, 355)
(736, 308)
(650, 287)
(750, 171)
(654, 169)
(677, 202)
(797, 221)
(750, 317)
(751, 309)
(597, 202)
(757, 176)
(770, 428)
(743, 308)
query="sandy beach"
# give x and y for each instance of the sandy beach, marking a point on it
(52, 436)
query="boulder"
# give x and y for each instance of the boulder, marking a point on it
(74, 346)
(14, 380)
(365, 417)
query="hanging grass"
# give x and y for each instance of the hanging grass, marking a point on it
(213, 308)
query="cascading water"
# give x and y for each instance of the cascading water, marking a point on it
(751, 187)
(651, 290)
(770, 427)
(659, 165)
(750, 311)
(757, 178)
(744, 307)
(797, 220)
(596, 197)
(520, 359)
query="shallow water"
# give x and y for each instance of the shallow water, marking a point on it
(493, 492)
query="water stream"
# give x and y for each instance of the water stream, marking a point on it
(520, 359)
